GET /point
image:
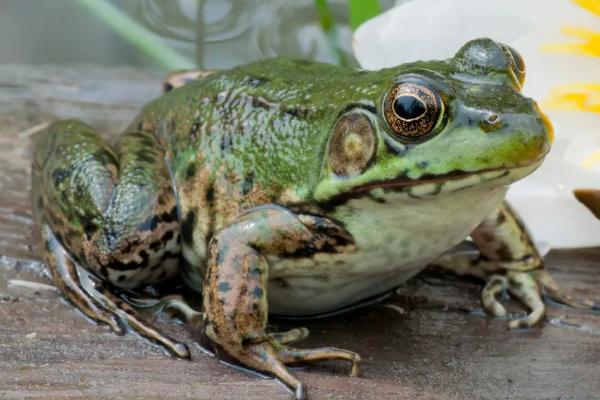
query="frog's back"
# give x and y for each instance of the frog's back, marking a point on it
(270, 118)
(241, 138)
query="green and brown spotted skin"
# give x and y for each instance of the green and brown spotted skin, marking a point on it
(291, 186)
(115, 211)
(258, 134)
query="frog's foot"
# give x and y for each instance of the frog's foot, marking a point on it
(291, 355)
(64, 274)
(170, 305)
(288, 337)
(523, 280)
(501, 277)
(556, 293)
(527, 287)
(524, 287)
(261, 352)
(130, 316)
(235, 289)
(97, 301)
(509, 261)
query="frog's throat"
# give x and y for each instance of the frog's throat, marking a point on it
(438, 184)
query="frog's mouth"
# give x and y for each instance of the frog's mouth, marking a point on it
(449, 182)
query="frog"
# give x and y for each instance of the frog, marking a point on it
(295, 188)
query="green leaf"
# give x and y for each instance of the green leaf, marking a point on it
(331, 31)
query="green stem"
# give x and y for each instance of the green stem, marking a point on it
(362, 10)
(330, 29)
(133, 32)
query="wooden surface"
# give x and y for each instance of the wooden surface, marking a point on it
(431, 341)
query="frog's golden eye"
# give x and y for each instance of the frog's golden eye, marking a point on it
(515, 62)
(352, 144)
(412, 109)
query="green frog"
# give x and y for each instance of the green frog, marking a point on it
(296, 188)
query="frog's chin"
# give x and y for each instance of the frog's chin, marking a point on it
(450, 182)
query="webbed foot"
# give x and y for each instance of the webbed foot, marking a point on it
(509, 261)
(524, 287)
(272, 356)
(97, 301)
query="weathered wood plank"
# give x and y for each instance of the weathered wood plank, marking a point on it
(432, 341)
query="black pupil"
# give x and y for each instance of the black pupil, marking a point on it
(409, 107)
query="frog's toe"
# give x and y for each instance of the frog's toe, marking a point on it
(264, 357)
(139, 325)
(524, 287)
(495, 285)
(291, 355)
(556, 293)
(170, 306)
(96, 300)
(288, 337)
(63, 270)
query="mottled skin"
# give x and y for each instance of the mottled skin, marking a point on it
(260, 186)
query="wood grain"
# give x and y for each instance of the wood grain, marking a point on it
(430, 341)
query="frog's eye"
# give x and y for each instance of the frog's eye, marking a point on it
(412, 109)
(352, 144)
(515, 62)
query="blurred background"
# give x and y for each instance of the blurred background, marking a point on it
(163, 35)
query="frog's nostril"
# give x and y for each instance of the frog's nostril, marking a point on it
(490, 122)
(492, 119)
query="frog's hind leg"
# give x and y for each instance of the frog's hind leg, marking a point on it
(98, 302)
(235, 289)
(107, 213)
(509, 261)
(556, 293)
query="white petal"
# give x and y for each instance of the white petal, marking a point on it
(432, 29)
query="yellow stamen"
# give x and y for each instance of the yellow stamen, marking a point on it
(591, 160)
(589, 44)
(592, 6)
(574, 97)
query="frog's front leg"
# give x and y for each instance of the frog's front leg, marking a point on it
(509, 261)
(235, 289)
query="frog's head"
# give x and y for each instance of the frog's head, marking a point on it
(440, 125)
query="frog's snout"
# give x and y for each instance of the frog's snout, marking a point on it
(547, 125)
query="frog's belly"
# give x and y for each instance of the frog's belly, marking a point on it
(395, 240)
